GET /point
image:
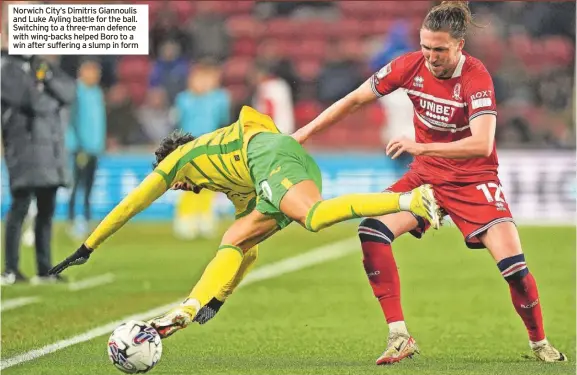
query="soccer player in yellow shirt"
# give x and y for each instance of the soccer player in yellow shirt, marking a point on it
(270, 179)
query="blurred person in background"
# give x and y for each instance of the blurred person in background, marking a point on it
(123, 127)
(170, 69)
(397, 105)
(86, 140)
(340, 74)
(166, 27)
(208, 33)
(34, 91)
(155, 116)
(273, 96)
(203, 108)
(282, 67)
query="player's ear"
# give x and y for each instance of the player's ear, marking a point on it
(461, 45)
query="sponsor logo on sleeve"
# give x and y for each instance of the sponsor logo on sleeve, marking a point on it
(480, 103)
(385, 70)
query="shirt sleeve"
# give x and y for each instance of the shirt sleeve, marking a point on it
(480, 95)
(153, 186)
(389, 78)
(140, 198)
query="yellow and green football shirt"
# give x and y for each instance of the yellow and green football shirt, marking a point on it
(216, 161)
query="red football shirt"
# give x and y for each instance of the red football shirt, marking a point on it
(443, 109)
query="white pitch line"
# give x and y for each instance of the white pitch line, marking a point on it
(10, 304)
(318, 255)
(91, 282)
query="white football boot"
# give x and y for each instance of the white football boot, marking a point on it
(547, 353)
(399, 347)
(176, 319)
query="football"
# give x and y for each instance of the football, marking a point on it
(134, 347)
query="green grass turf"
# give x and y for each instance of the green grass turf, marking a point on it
(319, 320)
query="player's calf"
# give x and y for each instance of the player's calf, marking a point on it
(525, 299)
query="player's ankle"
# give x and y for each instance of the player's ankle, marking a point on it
(535, 344)
(190, 306)
(398, 327)
(405, 200)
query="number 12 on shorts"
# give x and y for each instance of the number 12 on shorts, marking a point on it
(497, 197)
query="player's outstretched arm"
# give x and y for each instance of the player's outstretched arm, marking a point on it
(140, 198)
(336, 112)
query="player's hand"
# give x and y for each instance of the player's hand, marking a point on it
(208, 311)
(80, 256)
(397, 146)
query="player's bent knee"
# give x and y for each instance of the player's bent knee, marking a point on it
(308, 221)
(373, 230)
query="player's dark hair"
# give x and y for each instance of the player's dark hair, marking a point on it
(174, 140)
(453, 17)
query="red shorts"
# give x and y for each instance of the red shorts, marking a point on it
(473, 207)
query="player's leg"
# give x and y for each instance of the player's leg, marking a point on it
(482, 214)
(377, 236)
(18, 208)
(244, 234)
(502, 241)
(208, 311)
(303, 204)
(77, 174)
(90, 172)
(288, 177)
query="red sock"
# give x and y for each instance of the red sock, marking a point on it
(526, 301)
(524, 294)
(381, 267)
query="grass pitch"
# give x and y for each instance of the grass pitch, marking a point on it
(318, 320)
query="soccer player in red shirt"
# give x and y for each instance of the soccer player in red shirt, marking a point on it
(455, 119)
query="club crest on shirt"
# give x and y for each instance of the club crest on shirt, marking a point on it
(457, 92)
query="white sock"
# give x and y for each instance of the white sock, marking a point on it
(405, 201)
(534, 344)
(398, 327)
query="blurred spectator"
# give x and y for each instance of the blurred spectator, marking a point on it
(339, 76)
(34, 90)
(273, 97)
(202, 108)
(396, 43)
(170, 69)
(155, 115)
(397, 105)
(165, 28)
(86, 139)
(208, 32)
(281, 67)
(123, 128)
(297, 9)
(71, 63)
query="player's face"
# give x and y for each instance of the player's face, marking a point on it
(185, 186)
(441, 51)
(182, 186)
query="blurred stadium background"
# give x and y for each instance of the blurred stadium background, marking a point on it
(322, 50)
